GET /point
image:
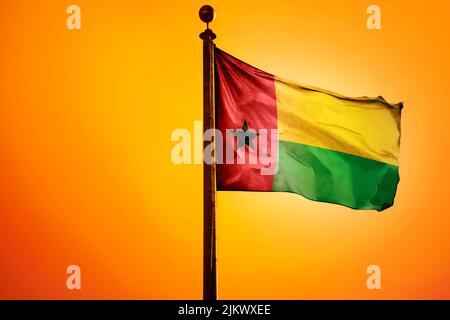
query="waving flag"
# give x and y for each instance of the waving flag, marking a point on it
(328, 147)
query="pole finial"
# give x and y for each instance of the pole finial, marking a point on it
(207, 15)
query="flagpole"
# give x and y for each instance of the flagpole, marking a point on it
(207, 14)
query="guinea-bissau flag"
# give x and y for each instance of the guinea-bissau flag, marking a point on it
(330, 148)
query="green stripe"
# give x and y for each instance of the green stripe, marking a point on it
(330, 176)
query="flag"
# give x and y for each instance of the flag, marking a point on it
(326, 147)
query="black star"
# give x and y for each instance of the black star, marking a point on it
(245, 136)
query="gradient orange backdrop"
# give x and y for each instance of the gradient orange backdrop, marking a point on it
(86, 176)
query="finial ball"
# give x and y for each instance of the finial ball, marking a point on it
(207, 14)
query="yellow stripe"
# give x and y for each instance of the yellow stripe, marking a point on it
(366, 127)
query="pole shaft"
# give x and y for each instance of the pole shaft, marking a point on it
(209, 175)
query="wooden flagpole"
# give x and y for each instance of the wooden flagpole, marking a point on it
(207, 14)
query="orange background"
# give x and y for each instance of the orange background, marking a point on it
(86, 176)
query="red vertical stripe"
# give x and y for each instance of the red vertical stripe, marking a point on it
(243, 93)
